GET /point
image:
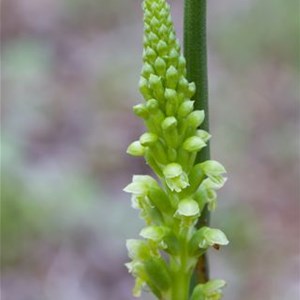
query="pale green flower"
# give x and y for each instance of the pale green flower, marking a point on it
(214, 171)
(140, 185)
(175, 177)
(211, 236)
(212, 290)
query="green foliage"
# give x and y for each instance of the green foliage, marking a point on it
(171, 208)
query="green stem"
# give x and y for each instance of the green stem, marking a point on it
(182, 278)
(196, 56)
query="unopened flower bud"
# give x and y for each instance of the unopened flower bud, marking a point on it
(153, 38)
(169, 127)
(171, 102)
(183, 86)
(143, 87)
(156, 85)
(185, 108)
(191, 89)
(163, 30)
(154, 22)
(172, 37)
(149, 54)
(160, 66)
(162, 47)
(169, 123)
(141, 111)
(148, 139)
(152, 105)
(193, 144)
(182, 65)
(195, 118)
(147, 70)
(171, 77)
(136, 149)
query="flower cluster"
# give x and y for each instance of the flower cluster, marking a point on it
(171, 206)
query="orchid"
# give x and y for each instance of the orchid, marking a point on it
(172, 203)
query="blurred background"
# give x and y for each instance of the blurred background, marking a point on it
(69, 80)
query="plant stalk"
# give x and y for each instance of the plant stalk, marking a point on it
(195, 52)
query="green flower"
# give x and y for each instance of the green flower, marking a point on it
(211, 236)
(176, 178)
(140, 185)
(214, 171)
(140, 188)
(211, 290)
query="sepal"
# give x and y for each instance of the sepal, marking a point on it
(188, 208)
(154, 233)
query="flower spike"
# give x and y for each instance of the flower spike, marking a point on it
(164, 260)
